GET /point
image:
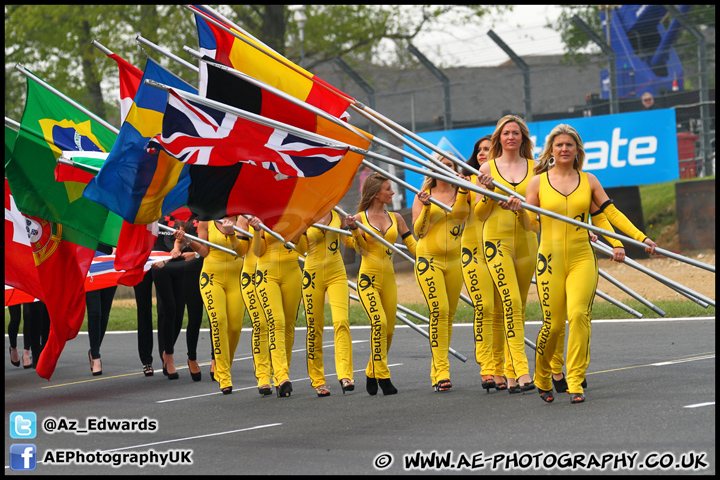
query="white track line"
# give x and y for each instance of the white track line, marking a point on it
(706, 404)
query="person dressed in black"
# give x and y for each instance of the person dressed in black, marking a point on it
(143, 300)
(16, 315)
(99, 302)
(192, 267)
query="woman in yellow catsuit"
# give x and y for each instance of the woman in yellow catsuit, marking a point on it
(259, 345)
(324, 271)
(277, 283)
(437, 267)
(487, 319)
(377, 288)
(220, 290)
(567, 270)
(510, 247)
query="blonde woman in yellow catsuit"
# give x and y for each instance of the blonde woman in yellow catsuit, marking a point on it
(220, 290)
(377, 288)
(510, 246)
(260, 343)
(277, 283)
(324, 271)
(488, 330)
(567, 270)
(437, 265)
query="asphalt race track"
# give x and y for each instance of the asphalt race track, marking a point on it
(650, 409)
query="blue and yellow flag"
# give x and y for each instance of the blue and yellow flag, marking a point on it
(137, 185)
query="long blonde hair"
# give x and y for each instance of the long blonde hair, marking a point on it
(371, 186)
(429, 183)
(526, 147)
(544, 158)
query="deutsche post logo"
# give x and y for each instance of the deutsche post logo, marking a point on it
(423, 264)
(245, 279)
(491, 250)
(308, 280)
(334, 246)
(45, 237)
(467, 256)
(365, 281)
(544, 264)
(206, 279)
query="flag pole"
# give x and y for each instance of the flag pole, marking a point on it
(457, 181)
(12, 123)
(144, 41)
(101, 47)
(69, 100)
(200, 240)
(630, 292)
(692, 295)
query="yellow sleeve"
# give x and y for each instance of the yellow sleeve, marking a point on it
(410, 242)
(347, 240)
(258, 243)
(600, 220)
(302, 245)
(422, 224)
(618, 219)
(529, 220)
(359, 242)
(241, 245)
(461, 209)
(483, 208)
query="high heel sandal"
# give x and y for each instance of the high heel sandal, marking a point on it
(443, 385)
(488, 384)
(322, 391)
(577, 398)
(265, 390)
(526, 387)
(501, 385)
(196, 376)
(387, 387)
(171, 376)
(514, 389)
(347, 385)
(560, 385)
(371, 385)
(17, 362)
(148, 370)
(284, 389)
(546, 395)
(94, 373)
(226, 390)
(27, 365)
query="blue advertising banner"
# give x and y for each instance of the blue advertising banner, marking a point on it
(626, 149)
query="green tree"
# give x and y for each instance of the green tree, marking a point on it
(54, 41)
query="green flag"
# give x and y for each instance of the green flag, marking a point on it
(10, 136)
(49, 127)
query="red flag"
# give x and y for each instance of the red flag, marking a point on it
(54, 258)
(130, 78)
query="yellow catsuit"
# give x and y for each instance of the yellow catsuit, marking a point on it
(277, 283)
(567, 276)
(220, 290)
(439, 275)
(377, 290)
(324, 271)
(510, 249)
(487, 319)
(260, 345)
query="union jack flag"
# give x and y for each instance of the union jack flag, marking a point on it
(202, 135)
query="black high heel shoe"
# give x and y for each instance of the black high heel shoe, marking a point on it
(443, 386)
(171, 376)
(514, 389)
(560, 385)
(195, 376)
(95, 374)
(577, 398)
(387, 387)
(371, 385)
(526, 387)
(546, 395)
(284, 389)
(17, 363)
(265, 390)
(488, 384)
(226, 390)
(347, 385)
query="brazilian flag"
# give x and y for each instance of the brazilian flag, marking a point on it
(49, 127)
